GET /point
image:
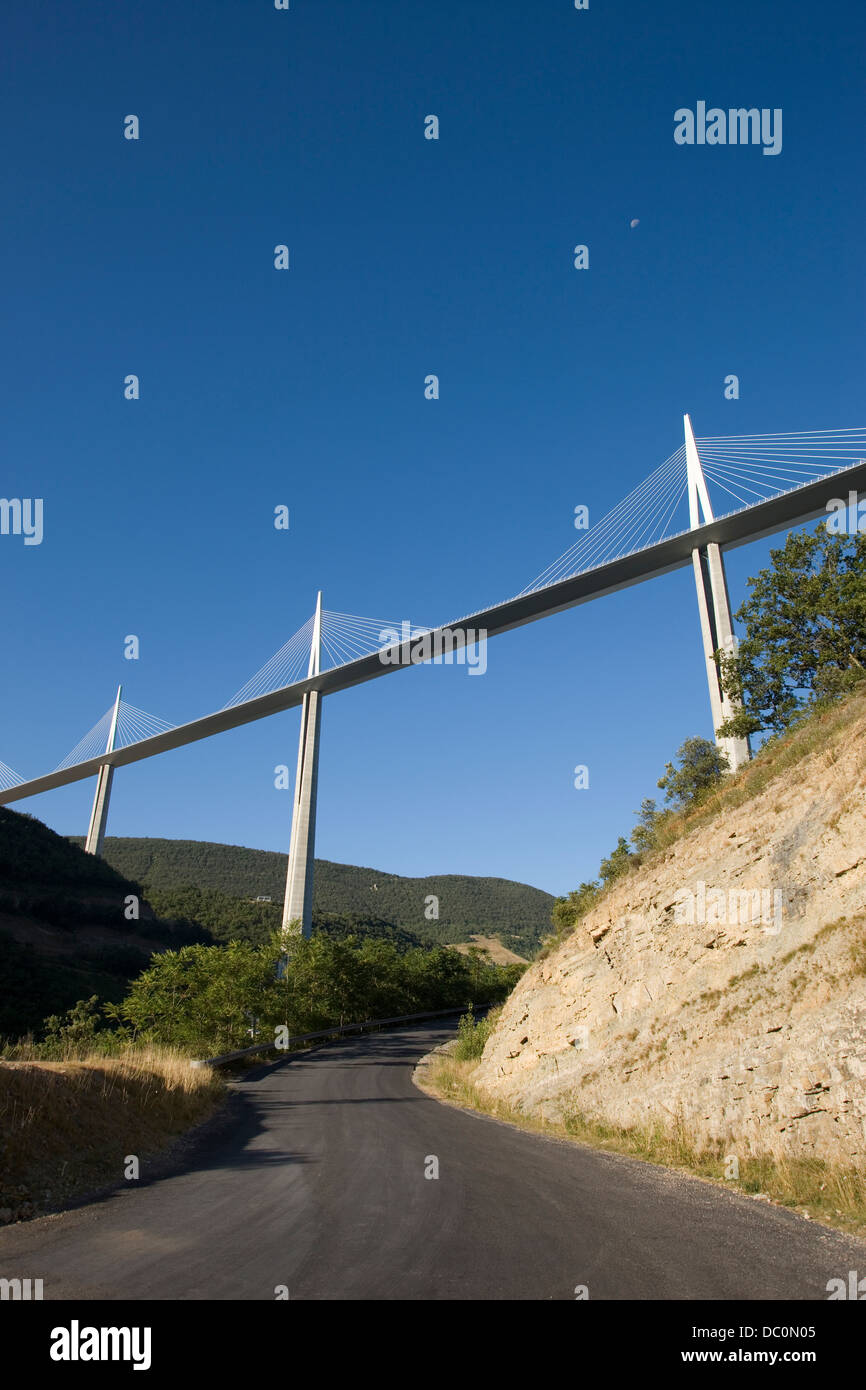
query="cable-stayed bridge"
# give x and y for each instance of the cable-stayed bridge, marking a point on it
(775, 481)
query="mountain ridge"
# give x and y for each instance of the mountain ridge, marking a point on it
(517, 913)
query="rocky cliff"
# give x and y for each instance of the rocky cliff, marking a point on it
(723, 984)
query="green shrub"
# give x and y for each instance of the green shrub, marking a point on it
(473, 1033)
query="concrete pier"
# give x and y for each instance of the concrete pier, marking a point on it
(99, 814)
(298, 902)
(714, 604)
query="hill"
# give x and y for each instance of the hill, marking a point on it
(239, 919)
(64, 930)
(516, 913)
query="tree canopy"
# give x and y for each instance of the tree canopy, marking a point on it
(212, 998)
(805, 639)
(701, 764)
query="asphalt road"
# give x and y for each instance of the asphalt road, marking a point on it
(321, 1187)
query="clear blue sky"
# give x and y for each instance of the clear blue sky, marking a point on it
(408, 257)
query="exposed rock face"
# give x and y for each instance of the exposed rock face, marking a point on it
(744, 1016)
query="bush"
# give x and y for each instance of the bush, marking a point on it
(76, 1031)
(204, 997)
(702, 766)
(473, 1033)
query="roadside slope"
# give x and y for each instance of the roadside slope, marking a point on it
(743, 1028)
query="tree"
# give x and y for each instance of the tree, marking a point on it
(805, 621)
(643, 835)
(701, 766)
(76, 1029)
(568, 911)
(202, 996)
(617, 863)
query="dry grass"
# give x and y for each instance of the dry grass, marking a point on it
(66, 1128)
(825, 1192)
(499, 954)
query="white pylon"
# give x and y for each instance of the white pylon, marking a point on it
(104, 778)
(298, 901)
(714, 605)
(698, 494)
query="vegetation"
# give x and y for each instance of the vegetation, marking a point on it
(81, 990)
(34, 984)
(212, 999)
(805, 638)
(472, 1034)
(208, 1000)
(687, 785)
(68, 1126)
(64, 931)
(804, 650)
(173, 872)
(108, 1074)
(701, 766)
(31, 854)
(228, 918)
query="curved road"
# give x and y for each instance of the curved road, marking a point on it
(321, 1187)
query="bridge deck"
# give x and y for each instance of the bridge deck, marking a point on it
(788, 509)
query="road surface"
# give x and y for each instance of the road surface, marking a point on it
(321, 1188)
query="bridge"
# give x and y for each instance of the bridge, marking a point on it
(777, 481)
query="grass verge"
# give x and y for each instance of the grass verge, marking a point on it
(68, 1128)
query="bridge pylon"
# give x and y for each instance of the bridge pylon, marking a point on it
(298, 902)
(99, 814)
(714, 604)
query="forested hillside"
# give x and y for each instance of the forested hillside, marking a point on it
(74, 927)
(66, 932)
(515, 912)
(239, 919)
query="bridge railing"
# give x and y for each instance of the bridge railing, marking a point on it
(336, 1031)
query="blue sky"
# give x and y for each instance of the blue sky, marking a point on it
(306, 387)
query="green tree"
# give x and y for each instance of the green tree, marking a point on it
(805, 639)
(76, 1030)
(202, 996)
(643, 835)
(701, 766)
(617, 863)
(568, 911)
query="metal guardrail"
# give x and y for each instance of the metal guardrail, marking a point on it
(337, 1031)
